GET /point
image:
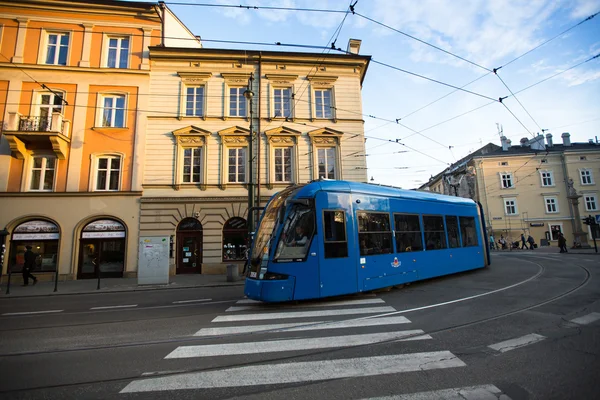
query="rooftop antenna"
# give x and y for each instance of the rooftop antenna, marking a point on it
(500, 129)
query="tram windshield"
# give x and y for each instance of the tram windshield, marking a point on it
(268, 225)
(298, 230)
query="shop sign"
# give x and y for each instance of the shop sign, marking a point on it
(496, 218)
(104, 225)
(536, 224)
(97, 235)
(36, 230)
(35, 236)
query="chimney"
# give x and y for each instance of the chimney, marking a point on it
(538, 143)
(504, 142)
(353, 46)
(508, 143)
(549, 139)
(566, 139)
(524, 142)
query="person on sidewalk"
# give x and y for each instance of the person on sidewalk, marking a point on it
(28, 266)
(523, 242)
(531, 242)
(562, 243)
(492, 242)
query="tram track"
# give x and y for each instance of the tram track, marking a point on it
(542, 270)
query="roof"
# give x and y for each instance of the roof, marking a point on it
(312, 188)
(556, 148)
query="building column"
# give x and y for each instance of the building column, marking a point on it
(87, 45)
(139, 146)
(77, 136)
(12, 101)
(20, 48)
(145, 65)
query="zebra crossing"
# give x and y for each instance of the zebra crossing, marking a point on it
(246, 329)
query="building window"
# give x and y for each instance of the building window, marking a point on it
(323, 103)
(235, 239)
(504, 163)
(555, 229)
(42, 174)
(334, 234)
(547, 178)
(452, 227)
(591, 202)
(506, 180)
(510, 206)
(192, 165)
(282, 102)
(108, 173)
(118, 52)
(49, 103)
(408, 233)
(468, 231)
(194, 101)
(57, 48)
(237, 165)
(544, 161)
(374, 233)
(237, 102)
(435, 235)
(113, 111)
(551, 205)
(582, 158)
(586, 177)
(326, 162)
(283, 164)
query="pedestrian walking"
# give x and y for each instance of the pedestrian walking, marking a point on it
(562, 243)
(492, 242)
(523, 242)
(531, 242)
(29, 265)
(502, 242)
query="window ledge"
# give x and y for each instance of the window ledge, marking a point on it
(110, 128)
(202, 117)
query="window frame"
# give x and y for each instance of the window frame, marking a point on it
(95, 159)
(459, 239)
(325, 138)
(322, 82)
(244, 165)
(235, 233)
(397, 232)
(507, 176)
(444, 245)
(282, 137)
(549, 203)
(241, 89)
(326, 158)
(101, 108)
(335, 242)
(463, 231)
(283, 164)
(274, 109)
(593, 196)
(323, 108)
(26, 186)
(514, 201)
(45, 51)
(234, 137)
(58, 95)
(184, 103)
(589, 175)
(550, 177)
(106, 49)
(550, 225)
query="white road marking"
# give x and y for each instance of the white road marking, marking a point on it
(483, 392)
(310, 371)
(110, 307)
(303, 326)
(321, 304)
(190, 301)
(302, 314)
(33, 312)
(587, 319)
(516, 343)
(273, 346)
(249, 301)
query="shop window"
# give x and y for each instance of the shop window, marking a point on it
(555, 229)
(235, 239)
(435, 235)
(452, 227)
(374, 233)
(43, 237)
(468, 231)
(408, 233)
(334, 234)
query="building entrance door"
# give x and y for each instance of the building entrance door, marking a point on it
(189, 247)
(106, 256)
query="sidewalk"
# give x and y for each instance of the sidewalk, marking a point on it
(551, 249)
(111, 285)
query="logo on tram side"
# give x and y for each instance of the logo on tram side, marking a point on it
(396, 263)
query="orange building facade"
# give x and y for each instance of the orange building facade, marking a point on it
(73, 79)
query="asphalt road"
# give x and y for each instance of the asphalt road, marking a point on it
(528, 327)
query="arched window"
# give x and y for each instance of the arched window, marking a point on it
(189, 224)
(235, 239)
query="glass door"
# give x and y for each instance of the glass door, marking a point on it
(88, 259)
(189, 252)
(104, 255)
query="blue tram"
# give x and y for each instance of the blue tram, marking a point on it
(330, 238)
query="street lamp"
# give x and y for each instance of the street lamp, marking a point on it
(249, 95)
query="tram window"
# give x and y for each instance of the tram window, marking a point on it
(298, 230)
(374, 233)
(452, 226)
(435, 236)
(408, 233)
(468, 231)
(334, 234)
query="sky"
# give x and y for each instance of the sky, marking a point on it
(480, 35)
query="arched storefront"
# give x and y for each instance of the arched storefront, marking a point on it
(102, 249)
(235, 239)
(43, 237)
(189, 246)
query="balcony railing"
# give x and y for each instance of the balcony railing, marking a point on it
(37, 124)
(25, 133)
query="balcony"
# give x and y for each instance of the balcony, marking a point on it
(31, 133)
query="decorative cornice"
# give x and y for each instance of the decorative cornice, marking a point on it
(236, 75)
(70, 194)
(191, 77)
(280, 139)
(234, 130)
(191, 131)
(282, 130)
(281, 77)
(322, 78)
(194, 199)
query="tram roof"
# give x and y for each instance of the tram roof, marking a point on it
(312, 188)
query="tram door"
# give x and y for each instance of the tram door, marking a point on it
(337, 269)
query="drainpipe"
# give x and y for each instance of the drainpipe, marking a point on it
(258, 130)
(163, 9)
(565, 173)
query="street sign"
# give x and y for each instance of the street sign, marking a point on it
(598, 218)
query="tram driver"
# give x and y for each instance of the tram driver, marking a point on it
(300, 238)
